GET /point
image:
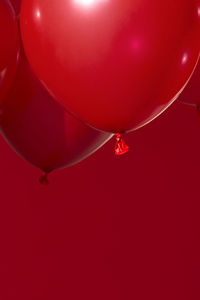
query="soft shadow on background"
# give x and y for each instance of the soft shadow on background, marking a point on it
(110, 227)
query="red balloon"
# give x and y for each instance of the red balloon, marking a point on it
(116, 64)
(40, 130)
(9, 47)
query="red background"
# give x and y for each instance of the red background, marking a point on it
(110, 227)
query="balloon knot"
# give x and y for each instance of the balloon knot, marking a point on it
(44, 179)
(120, 147)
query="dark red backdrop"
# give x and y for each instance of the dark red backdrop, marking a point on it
(111, 227)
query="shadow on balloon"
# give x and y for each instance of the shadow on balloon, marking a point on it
(39, 130)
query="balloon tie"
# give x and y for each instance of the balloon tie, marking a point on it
(120, 147)
(44, 179)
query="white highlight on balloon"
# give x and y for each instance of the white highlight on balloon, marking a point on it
(198, 11)
(184, 58)
(88, 2)
(38, 14)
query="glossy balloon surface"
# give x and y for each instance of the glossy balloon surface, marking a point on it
(9, 47)
(39, 130)
(116, 64)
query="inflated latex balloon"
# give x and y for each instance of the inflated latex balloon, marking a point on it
(39, 130)
(9, 47)
(116, 64)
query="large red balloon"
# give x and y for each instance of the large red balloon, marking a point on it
(117, 64)
(39, 130)
(9, 47)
